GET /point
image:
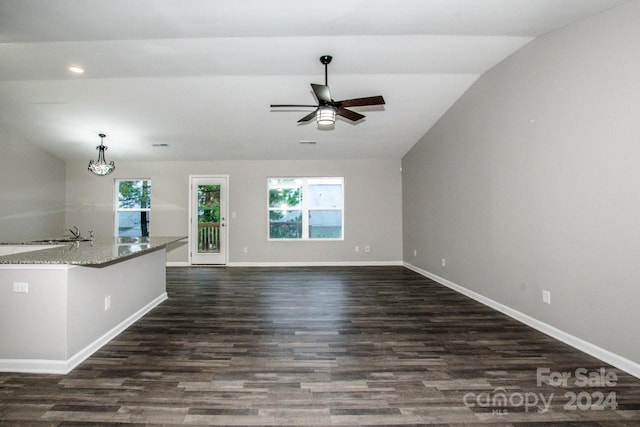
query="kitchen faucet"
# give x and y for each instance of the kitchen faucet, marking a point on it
(74, 231)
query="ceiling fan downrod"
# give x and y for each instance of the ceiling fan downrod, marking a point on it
(326, 60)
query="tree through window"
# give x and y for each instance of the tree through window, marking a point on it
(306, 208)
(133, 207)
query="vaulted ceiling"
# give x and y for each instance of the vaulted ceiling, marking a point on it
(199, 75)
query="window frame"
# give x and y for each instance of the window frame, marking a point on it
(116, 204)
(304, 208)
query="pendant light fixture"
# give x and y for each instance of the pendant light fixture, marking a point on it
(101, 167)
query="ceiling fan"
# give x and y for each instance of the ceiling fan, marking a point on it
(326, 110)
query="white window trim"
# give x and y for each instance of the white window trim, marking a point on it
(305, 211)
(116, 202)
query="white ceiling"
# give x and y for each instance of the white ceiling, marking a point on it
(200, 75)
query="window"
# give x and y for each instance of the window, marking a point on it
(133, 207)
(306, 208)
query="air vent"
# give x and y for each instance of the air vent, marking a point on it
(160, 145)
(305, 142)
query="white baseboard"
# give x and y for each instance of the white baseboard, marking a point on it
(317, 264)
(34, 366)
(65, 366)
(177, 264)
(290, 264)
(607, 356)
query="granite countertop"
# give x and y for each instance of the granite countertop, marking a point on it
(96, 253)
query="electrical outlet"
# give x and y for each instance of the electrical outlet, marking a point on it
(444, 262)
(245, 250)
(22, 287)
(107, 303)
(367, 249)
(546, 297)
(356, 249)
(415, 252)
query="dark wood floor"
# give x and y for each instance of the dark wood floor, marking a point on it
(318, 346)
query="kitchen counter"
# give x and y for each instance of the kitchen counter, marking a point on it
(61, 301)
(99, 252)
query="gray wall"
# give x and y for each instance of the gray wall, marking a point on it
(33, 325)
(373, 217)
(132, 285)
(31, 190)
(532, 181)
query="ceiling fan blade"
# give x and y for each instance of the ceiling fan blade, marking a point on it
(308, 117)
(291, 105)
(322, 93)
(360, 102)
(348, 114)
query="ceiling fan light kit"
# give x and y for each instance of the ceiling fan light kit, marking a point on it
(326, 116)
(327, 109)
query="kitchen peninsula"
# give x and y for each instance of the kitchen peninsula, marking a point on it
(60, 301)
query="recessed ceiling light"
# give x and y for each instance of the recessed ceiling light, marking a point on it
(76, 69)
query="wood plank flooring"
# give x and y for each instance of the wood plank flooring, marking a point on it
(319, 346)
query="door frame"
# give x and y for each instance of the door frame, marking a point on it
(224, 213)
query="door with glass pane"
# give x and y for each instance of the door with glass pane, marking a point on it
(208, 234)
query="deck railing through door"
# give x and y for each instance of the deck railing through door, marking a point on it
(208, 236)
